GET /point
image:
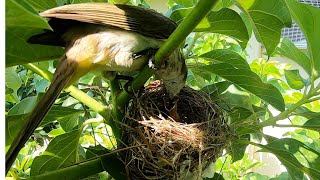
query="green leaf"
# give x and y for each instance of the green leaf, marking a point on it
(9, 90)
(25, 106)
(285, 176)
(56, 132)
(313, 124)
(305, 112)
(226, 56)
(12, 79)
(18, 115)
(238, 149)
(294, 79)
(44, 5)
(289, 50)
(239, 114)
(227, 22)
(249, 81)
(64, 115)
(267, 19)
(61, 152)
(186, 3)
(224, 21)
(228, 95)
(18, 51)
(295, 156)
(311, 29)
(18, 16)
(13, 125)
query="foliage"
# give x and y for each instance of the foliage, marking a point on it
(74, 139)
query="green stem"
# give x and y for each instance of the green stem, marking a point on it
(177, 37)
(283, 115)
(76, 93)
(289, 125)
(194, 40)
(90, 121)
(78, 171)
(117, 111)
(83, 169)
(313, 99)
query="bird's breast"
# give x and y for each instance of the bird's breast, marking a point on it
(110, 49)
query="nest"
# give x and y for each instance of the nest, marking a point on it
(164, 148)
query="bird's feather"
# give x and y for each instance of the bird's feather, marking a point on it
(144, 21)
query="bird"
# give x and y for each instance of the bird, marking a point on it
(102, 37)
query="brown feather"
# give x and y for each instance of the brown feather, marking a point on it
(132, 18)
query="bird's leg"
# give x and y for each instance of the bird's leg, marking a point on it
(123, 77)
(149, 53)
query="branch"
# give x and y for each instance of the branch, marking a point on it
(177, 37)
(283, 115)
(83, 169)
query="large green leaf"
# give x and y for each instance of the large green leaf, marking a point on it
(45, 4)
(18, 51)
(308, 19)
(288, 49)
(18, 16)
(224, 21)
(21, 23)
(61, 152)
(228, 95)
(249, 81)
(64, 114)
(294, 79)
(296, 157)
(227, 56)
(267, 19)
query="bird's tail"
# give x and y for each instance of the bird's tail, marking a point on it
(63, 74)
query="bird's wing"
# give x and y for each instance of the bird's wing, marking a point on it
(132, 18)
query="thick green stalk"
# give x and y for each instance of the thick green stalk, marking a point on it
(117, 111)
(82, 169)
(76, 93)
(77, 171)
(177, 37)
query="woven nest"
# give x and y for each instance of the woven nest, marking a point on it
(163, 148)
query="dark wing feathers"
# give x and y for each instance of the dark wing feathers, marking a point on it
(132, 18)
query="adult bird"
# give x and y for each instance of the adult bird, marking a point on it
(101, 37)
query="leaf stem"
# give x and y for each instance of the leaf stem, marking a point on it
(285, 114)
(272, 121)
